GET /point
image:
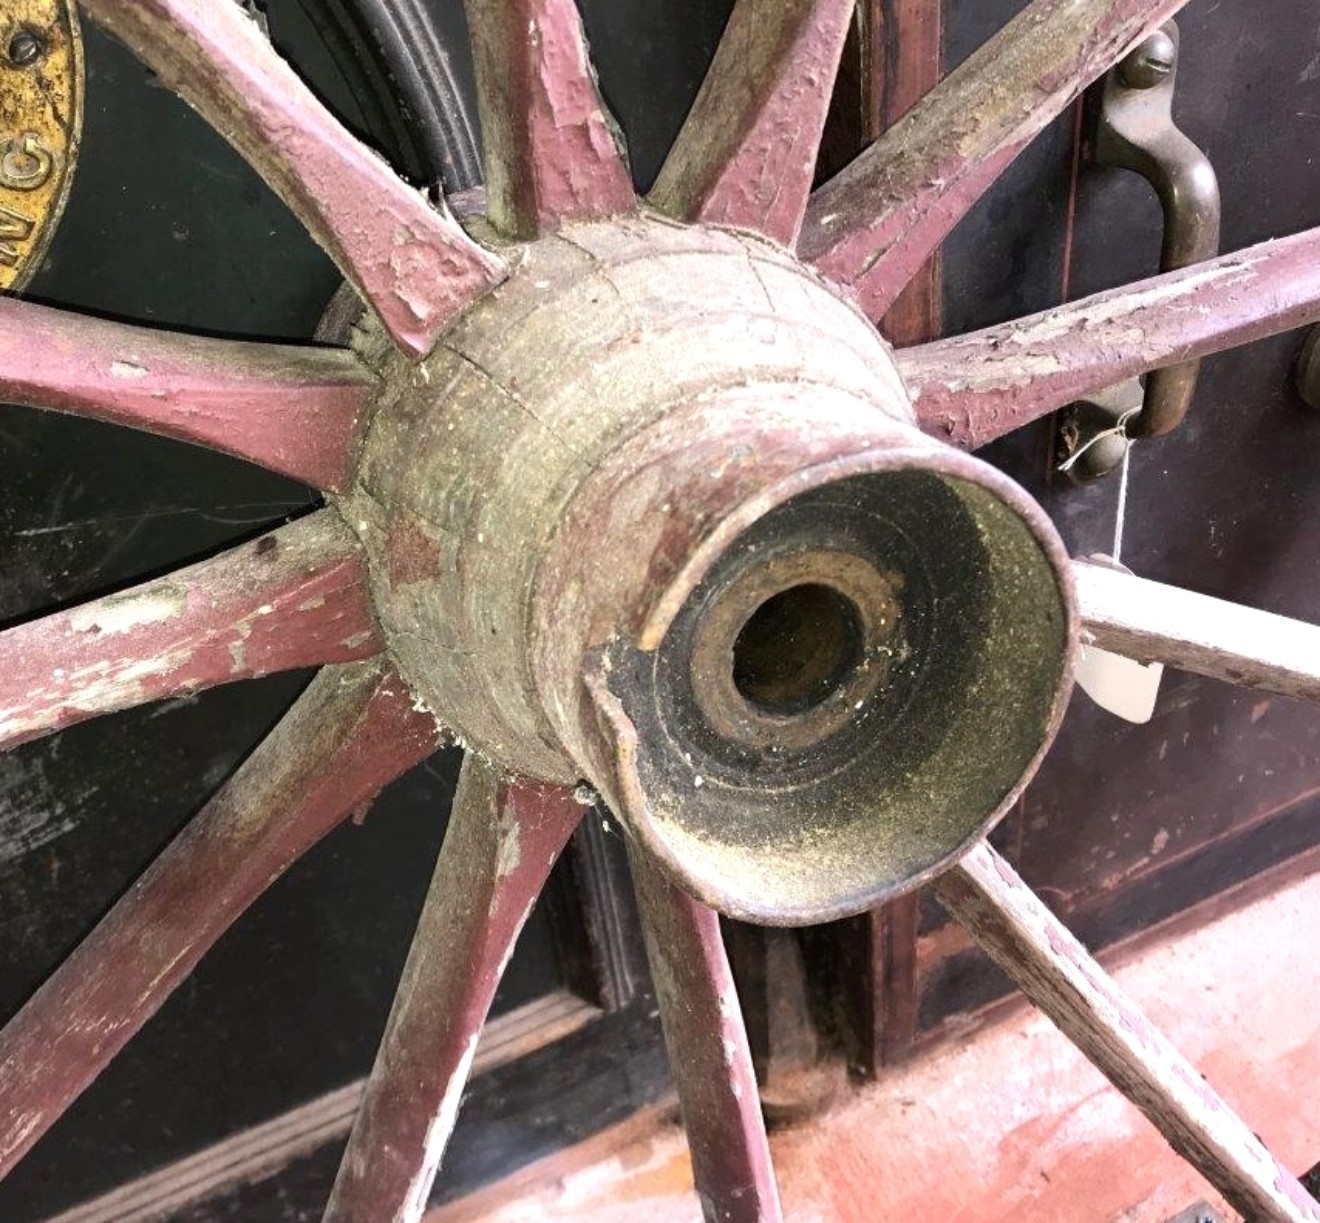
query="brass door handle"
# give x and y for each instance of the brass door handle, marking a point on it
(1134, 129)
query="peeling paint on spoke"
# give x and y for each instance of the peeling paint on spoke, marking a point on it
(873, 225)
(975, 388)
(351, 733)
(551, 152)
(1152, 622)
(1056, 972)
(504, 836)
(747, 154)
(410, 261)
(292, 409)
(294, 598)
(708, 1052)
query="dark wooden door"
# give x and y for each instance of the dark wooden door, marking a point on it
(1127, 826)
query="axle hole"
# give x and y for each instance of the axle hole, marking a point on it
(797, 649)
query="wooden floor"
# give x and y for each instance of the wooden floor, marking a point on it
(1006, 1123)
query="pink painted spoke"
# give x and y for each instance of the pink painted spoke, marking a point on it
(295, 410)
(353, 731)
(874, 225)
(294, 598)
(977, 387)
(1152, 622)
(411, 262)
(503, 838)
(1055, 971)
(747, 154)
(708, 1052)
(551, 154)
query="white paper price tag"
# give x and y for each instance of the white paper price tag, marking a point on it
(1123, 687)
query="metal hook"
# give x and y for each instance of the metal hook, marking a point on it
(1134, 129)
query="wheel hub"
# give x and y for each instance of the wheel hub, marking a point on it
(655, 514)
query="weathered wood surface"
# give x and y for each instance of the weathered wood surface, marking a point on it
(708, 1052)
(873, 225)
(410, 260)
(353, 731)
(504, 836)
(294, 598)
(551, 152)
(626, 316)
(293, 409)
(1152, 622)
(746, 155)
(978, 387)
(1056, 972)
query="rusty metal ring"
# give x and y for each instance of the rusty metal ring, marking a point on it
(833, 659)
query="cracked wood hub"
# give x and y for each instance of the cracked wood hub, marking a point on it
(655, 513)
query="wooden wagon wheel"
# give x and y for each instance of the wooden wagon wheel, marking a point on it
(630, 497)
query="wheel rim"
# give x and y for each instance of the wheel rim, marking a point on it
(742, 163)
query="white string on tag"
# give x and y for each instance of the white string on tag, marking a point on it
(1122, 686)
(1120, 514)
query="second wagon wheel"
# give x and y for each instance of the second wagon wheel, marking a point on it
(629, 497)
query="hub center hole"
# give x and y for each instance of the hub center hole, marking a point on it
(797, 649)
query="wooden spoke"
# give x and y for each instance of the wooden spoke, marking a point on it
(551, 153)
(1152, 622)
(503, 838)
(708, 1052)
(410, 261)
(295, 410)
(975, 388)
(294, 598)
(1055, 971)
(873, 225)
(353, 731)
(747, 154)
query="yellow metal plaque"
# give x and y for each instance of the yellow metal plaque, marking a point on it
(41, 100)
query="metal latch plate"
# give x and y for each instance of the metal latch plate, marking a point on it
(41, 108)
